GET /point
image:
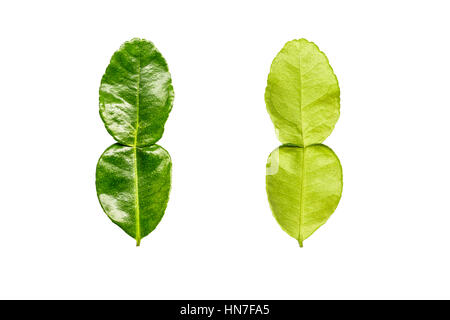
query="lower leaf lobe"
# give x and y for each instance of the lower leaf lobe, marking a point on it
(133, 185)
(304, 186)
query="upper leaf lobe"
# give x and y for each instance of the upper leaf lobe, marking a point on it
(136, 94)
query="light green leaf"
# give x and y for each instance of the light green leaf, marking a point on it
(133, 185)
(302, 94)
(136, 94)
(304, 186)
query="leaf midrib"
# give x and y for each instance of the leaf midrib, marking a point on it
(300, 235)
(136, 183)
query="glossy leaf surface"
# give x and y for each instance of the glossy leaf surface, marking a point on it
(133, 187)
(302, 94)
(304, 186)
(136, 94)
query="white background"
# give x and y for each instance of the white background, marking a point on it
(390, 235)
